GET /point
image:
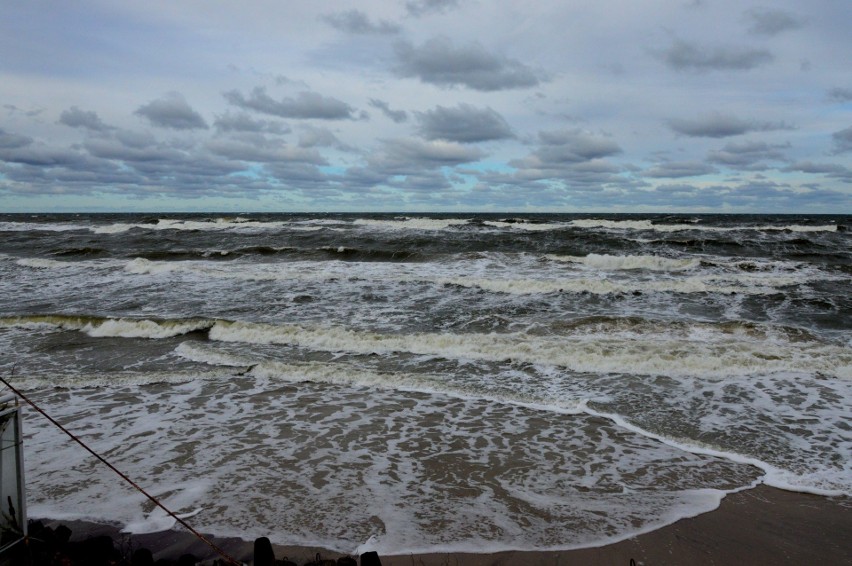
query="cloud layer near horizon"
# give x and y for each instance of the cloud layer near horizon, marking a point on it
(443, 105)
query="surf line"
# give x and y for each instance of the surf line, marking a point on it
(153, 499)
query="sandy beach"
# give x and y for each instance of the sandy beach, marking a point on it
(758, 526)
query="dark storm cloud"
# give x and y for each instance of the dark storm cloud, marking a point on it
(767, 22)
(440, 62)
(76, 118)
(357, 22)
(463, 123)
(748, 155)
(305, 105)
(842, 140)
(676, 170)
(242, 122)
(397, 116)
(172, 111)
(840, 94)
(722, 126)
(419, 8)
(686, 56)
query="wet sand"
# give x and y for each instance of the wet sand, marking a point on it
(758, 526)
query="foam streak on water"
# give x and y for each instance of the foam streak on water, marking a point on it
(429, 383)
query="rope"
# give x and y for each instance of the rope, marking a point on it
(210, 543)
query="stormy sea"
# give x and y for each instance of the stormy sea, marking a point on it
(412, 383)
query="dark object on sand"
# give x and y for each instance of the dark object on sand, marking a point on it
(263, 553)
(370, 559)
(142, 557)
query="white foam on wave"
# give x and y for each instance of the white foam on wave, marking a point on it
(824, 481)
(710, 283)
(41, 263)
(630, 262)
(502, 279)
(650, 225)
(616, 262)
(110, 327)
(412, 223)
(350, 375)
(217, 224)
(127, 328)
(705, 353)
(527, 226)
(38, 226)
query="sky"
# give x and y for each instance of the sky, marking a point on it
(426, 105)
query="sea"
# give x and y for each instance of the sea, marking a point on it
(427, 382)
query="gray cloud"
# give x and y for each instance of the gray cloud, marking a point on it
(357, 22)
(172, 111)
(685, 56)
(39, 155)
(397, 116)
(137, 151)
(768, 22)
(840, 94)
(464, 123)
(12, 109)
(575, 145)
(748, 155)
(842, 140)
(305, 105)
(721, 126)
(573, 157)
(405, 154)
(677, 170)
(76, 118)
(832, 170)
(132, 138)
(419, 8)
(440, 62)
(312, 136)
(401, 162)
(260, 149)
(242, 122)
(13, 141)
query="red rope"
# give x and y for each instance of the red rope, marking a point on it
(210, 543)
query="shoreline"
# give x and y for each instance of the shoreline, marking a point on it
(762, 525)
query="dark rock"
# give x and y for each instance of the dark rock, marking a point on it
(62, 534)
(94, 551)
(370, 559)
(142, 557)
(263, 553)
